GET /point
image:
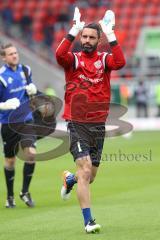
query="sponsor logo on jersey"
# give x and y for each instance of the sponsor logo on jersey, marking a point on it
(10, 80)
(92, 80)
(17, 89)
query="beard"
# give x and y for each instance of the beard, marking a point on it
(88, 48)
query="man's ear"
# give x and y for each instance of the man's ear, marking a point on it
(3, 58)
(100, 40)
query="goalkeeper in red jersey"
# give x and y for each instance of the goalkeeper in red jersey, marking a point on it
(87, 99)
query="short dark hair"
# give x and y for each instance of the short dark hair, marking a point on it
(4, 47)
(94, 26)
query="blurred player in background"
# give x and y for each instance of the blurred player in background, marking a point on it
(14, 112)
(141, 99)
(87, 100)
(157, 93)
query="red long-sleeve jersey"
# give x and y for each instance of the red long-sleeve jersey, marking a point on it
(87, 95)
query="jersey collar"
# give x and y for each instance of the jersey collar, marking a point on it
(7, 66)
(89, 55)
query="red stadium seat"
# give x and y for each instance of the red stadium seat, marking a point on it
(2, 5)
(38, 36)
(140, 11)
(128, 12)
(38, 30)
(59, 35)
(55, 5)
(153, 10)
(119, 3)
(91, 14)
(117, 11)
(31, 5)
(134, 33)
(43, 4)
(65, 3)
(126, 23)
(131, 2)
(19, 5)
(37, 25)
(151, 22)
(121, 36)
(156, 2)
(132, 43)
(17, 15)
(144, 2)
(40, 14)
(101, 12)
(138, 22)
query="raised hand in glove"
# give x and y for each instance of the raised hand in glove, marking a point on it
(78, 25)
(10, 104)
(31, 89)
(108, 24)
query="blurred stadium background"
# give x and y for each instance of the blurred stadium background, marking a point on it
(38, 26)
(127, 201)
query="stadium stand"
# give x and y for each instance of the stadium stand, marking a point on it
(43, 23)
(40, 25)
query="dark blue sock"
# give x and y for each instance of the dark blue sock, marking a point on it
(87, 215)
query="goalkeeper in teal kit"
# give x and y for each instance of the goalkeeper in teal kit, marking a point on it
(87, 75)
(15, 114)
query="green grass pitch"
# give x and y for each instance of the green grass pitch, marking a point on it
(125, 195)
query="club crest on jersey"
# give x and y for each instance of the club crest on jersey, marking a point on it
(10, 80)
(82, 63)
(98, 64)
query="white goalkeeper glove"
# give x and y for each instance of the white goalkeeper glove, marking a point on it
(78, 25)
(10, 104)
(107, 24)
(31, 89)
